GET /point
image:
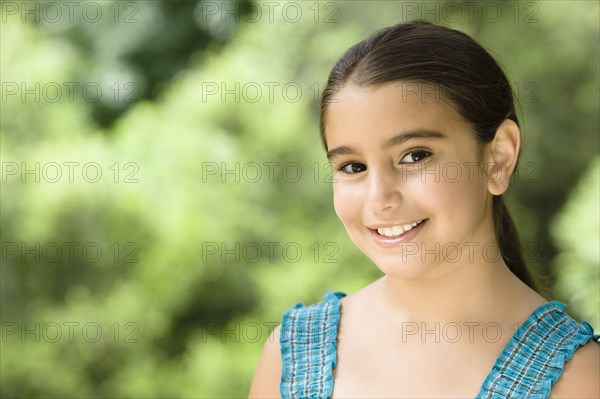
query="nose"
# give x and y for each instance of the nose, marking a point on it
(383, 191)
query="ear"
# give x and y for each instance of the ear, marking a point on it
(501, 156)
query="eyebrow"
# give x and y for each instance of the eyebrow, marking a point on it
(396, 140)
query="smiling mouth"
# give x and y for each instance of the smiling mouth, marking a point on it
(397, 231)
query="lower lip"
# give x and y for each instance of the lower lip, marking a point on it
(390, 242)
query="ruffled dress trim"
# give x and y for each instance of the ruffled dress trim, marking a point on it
(535, 356)
(308, 348)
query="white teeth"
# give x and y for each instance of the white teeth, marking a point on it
(396, 230)
(391, 231)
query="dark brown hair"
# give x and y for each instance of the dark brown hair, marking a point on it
(465, 74)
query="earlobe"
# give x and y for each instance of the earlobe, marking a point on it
(502, 155)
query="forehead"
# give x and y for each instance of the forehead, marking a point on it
(382, 111)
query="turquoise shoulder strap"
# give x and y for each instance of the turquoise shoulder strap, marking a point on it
(308, 348)
(535, 357)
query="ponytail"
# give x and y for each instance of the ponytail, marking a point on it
(510, 244)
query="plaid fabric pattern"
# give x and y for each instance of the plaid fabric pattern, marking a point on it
(534, 358)
(308, 348)
(529, 365)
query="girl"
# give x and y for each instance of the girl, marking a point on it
(419, 123)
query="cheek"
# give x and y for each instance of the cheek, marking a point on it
(431, 194)
(455, 196)
(346, 204)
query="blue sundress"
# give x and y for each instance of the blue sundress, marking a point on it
(529, 365)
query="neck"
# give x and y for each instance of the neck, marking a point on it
(468, 290)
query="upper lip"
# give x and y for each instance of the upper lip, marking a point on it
(392, 224)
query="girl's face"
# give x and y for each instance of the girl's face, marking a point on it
(409, 186)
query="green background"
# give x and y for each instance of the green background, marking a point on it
(200, 254)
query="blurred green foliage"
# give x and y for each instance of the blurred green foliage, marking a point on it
(576, 230)
(176, 319)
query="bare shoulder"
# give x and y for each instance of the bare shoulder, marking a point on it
(581, 376)
(267, 376)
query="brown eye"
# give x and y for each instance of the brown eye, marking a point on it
(353, 168)
(415, 156)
